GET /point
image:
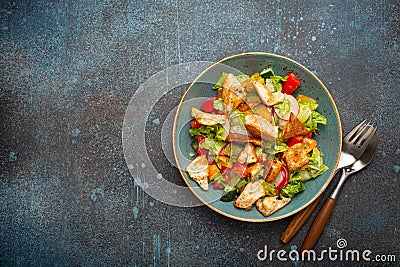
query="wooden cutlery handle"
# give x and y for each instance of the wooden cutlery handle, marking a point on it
(299, 220)
(318, 225)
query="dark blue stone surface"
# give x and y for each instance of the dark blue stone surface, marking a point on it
(68, 71)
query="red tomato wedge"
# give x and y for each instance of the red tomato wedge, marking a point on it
(291, 84)
(208, 106)
(295, 140)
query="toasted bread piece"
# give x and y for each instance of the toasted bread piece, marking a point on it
(248, 85)
(260, 127)
(296, 156)
(293, 127)
(269, 205)
(242, 139)
(276, 166)
(255, 170)
(250, 194)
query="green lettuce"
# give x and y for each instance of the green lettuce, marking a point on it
(315, 167)
(310, 104)
(284, 106)
(216, 132)
(293, 188)
(308, 114)
(315, 118)
(277, 81)
(213, 146)
(237, 118)
(280, 147)
(269, 189)
(218, 84)
(316, 163)
(218, 105)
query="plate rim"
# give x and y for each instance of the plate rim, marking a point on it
(174, 140)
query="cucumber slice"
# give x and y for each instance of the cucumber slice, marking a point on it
(267, 73)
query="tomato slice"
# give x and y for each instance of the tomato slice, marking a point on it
(208, 106)
(291, 84)
(294, 140)
(200, 139)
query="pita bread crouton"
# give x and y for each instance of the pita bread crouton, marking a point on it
(260, 127)
(293, 127)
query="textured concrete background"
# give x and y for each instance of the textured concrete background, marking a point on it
(68, 71)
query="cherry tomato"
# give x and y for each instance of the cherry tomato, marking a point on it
(195, 124)
(219, 94)
(291, 84)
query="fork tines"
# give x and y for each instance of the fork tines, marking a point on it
(361, 134)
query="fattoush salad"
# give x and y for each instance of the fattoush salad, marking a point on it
(254, 140)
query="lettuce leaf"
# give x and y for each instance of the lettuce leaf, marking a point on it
(216, 132)
(218, 84)
(269, 189)
(315, 167)
(280, 147)
(277, 81)
(312, 122)
(213, 146)
(218, 105)
(316, 163)
(237, 118)
(294, 187)
(284, 106)
(303, 102)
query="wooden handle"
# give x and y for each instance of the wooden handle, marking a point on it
(299, 220)
(318, 225)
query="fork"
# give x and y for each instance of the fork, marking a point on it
(354, 145)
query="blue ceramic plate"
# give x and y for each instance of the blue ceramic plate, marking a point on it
(329, 138)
